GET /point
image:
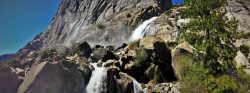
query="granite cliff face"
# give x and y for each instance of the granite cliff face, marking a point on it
(96, 21)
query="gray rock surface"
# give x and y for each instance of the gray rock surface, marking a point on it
(167, 88)
(9, 81)
(96, 21)
(51, 78)
(240, 10)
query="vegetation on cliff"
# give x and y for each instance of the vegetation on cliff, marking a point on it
(212, 67)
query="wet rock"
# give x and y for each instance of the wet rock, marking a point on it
(110, 63)
(111, 85)
(122, 46)
(51, 78)
(85, 68)
(9, 81)
(110, 48)
(125, 83)
(98, 46)
(150, 72)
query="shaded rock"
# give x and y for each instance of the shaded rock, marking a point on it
(20, 72)
(122, 46)
(125, 83)
(82, 49)
(103, 54)
(85, 68)
(110, 63)
(9, 81)
(111, 85)
(51, 78)
(110, 48)
(150, 72)
(98, 46)
(153, 50)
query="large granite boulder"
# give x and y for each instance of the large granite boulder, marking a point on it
(52, 78)
(82, 49)
(9, 81)
(179, 51)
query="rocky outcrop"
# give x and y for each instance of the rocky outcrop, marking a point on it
(242, 62)
(102, 54)
(82, 49)
(51, 78)
(240, 10)
(9, 80)
(166, 88)
(180, 50)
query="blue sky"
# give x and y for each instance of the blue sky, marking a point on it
(177, 1)
(22, 20)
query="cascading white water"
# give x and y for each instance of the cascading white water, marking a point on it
(141, 30)
(137, 86)
(98, 80)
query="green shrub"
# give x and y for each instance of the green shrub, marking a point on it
(47, 53)
(200, 8)
(213, 35)
(196, 79)
(141, 57)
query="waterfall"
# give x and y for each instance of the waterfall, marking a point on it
(98, 80)
(137, 86)
(141, 30)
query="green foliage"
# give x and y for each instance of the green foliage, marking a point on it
(213, 35)
(196, 79)
(157, 75)
(141, 57)
(47, 53)
(245, 35)
(200, 8)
